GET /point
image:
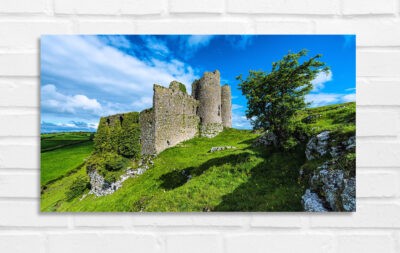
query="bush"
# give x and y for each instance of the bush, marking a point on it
(182, 87)
(109, 161)
(119, 134)
(77, 188)
(114, 162)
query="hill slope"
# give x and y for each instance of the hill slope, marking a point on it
(189, 177)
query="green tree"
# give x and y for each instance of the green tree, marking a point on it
(274, 98)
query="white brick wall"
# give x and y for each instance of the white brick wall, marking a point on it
(375, 227)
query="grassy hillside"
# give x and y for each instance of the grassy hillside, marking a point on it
(190, 178)
(54, 141)
(65, 157)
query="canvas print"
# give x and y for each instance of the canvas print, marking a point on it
(198, 123)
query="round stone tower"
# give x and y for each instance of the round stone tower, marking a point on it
(207, 91)
(226, 106)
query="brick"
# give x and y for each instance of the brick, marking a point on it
(16, 125)
(283, 27)
(117, 7)
(377, 123)
(28, 64)
(368, 215)
(220, 220)
(19, 185)
(201, 6)
(279, 242)
(378, 63)
(193, 243)
(22, 6)
(369, 32)
(378, 154)
(26, 214)
(376, 184)
(87, 7)
(143, 7)
(378, 93)
(10, 156)
(276, 220)
(106, 27)
(19, 93)
(200, 26)
(101, 242)
(365, 243)
(26, 34)
(355, 7)
(102, 220)
(317, 7)
(172, 220)
(21, 243)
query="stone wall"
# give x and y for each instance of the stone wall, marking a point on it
(175, 116)
(147, 133)
(226, 106)
(207, 91)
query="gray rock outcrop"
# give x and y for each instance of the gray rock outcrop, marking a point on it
(312, 203)
(317, 146)
(215, 149)
(337, 191)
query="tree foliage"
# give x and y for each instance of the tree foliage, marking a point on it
(274, 97)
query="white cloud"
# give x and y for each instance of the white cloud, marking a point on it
(54, 101)
(198, 41)
(240, 121)
(321, 79)
(143, 103)
(119, 41)
(236, 106)
(321, 99)
(349, 97)
(157, 46)
(87, 65)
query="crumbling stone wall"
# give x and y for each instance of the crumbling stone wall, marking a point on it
(174, 117)
(147, 133)
(177, 116)
(226, 106)
(207, 91)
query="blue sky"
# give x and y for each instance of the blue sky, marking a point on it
(86, 77)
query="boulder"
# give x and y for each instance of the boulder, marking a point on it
(349, 195)
(215, 149)
(317, 146)
(266, 139)
(312, 203)
(337, 191)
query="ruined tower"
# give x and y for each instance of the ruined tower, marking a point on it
(172, 119)
(226, 106)
(207, 91)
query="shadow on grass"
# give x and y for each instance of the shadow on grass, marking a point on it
(273, 186)
(176, 178)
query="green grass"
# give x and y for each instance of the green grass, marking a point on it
(241, 179)
(247, 178)
(59, 162)
(54, 141)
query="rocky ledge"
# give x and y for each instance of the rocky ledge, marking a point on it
(100, 187)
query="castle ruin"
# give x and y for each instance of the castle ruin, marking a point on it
(177, 116)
